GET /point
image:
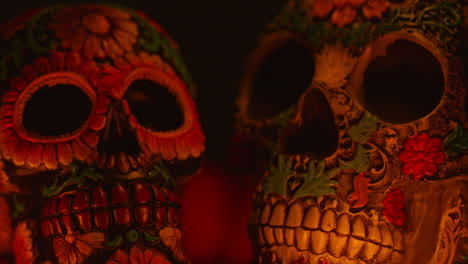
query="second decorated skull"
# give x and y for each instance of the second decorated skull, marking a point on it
(358, 108)
(97, 120)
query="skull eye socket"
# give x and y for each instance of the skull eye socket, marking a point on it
(55, 110)
(404, 85)
(280, 79)
(154, 106)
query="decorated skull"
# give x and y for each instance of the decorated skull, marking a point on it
(97, 123)
(357, 109)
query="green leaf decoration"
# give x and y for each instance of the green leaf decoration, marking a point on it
(18, 207)
(114, 242)
(149, 38)
(73, 179)
(360, 163)
(284, 117)
(150, 238)
(277, 179)
(361, 131)
(457, 142)
(37, 38)
(316, 181)
(159, 170)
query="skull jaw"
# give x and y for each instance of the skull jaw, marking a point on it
(435, 224)
(117, 209)
(436, 220)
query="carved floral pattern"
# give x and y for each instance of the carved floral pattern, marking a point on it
(187, 140)
(23, 248)
(345, 11)
(96, 30)
(137, 256)
(76, 248)
(15, 140)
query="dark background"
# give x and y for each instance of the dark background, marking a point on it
(215, 37)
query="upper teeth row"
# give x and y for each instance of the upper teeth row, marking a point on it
(321, 231)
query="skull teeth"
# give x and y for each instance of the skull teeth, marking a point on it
(103, 207)
(124, 163)
(325, 231)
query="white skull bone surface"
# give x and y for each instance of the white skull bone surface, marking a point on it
(360, 107)
(97, 120)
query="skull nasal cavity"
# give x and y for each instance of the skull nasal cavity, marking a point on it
(154, 106)
(117, 135)
(317, 134)
(280, 79)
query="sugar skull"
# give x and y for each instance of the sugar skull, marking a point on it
(97, 123)
(357, 109)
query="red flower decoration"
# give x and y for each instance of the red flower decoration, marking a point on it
(137, 256)
(345, 11)
(185, 141)
(76, 248)
(394, 207)
(420, 156)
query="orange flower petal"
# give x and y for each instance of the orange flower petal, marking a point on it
(72, 61)
(117, 13)
(343, 16)
(34, 158)
(167, 149)
(78, 39)
(29, 73)
(20, 152)
(87, 68)
(125, 40)
(57, 60)
(64, 153)
(182, 148)
(97, 122)
(7, 110)
(322, 8)
(195, 145)
(153, 144)
(88, 49)
(9, 141)
(80, 150)
(90, 138)
(49, 156)
(10, 96)
(42, 65)
(18, 83)
(98, 49)
(127, 26)
(107, 43)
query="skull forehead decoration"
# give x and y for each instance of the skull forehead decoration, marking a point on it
(360, 109)
(97, 120)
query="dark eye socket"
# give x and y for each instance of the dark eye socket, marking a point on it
(56, 110)
(154, 106)
(405, 85)
(281, 78)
